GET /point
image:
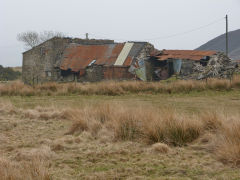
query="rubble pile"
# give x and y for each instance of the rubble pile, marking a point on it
(218, 66)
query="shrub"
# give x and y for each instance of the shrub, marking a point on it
(8, 74)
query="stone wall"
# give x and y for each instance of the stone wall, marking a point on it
(99, 73)
(217, 66)
(187, 67)
(146, 51)
(143, 64)
(41, 63)
(38, 64)
(94, 73)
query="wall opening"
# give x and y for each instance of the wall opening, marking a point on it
(48, 74)
(204, 62)
(170, 68)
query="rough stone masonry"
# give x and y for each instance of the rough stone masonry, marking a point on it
(218, 66)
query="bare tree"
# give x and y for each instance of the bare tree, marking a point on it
(32, 38)
(46, 35)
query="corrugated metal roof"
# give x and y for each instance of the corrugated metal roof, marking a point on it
(77, 57)
(136, 49)
(184, 54)
(124, 54)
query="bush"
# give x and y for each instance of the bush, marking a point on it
(8, 74)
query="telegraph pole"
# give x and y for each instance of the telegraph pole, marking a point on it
(226, 35)
(87, 36)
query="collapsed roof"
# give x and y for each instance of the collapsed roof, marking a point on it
(77, 57)
(183, 54)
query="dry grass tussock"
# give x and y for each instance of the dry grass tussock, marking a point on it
(109, 122)
(31, 170)
(228, 142)
(42, 153)
(7, 107)
(118, 88)
(160, 148)
(41, 113)
(152, 125)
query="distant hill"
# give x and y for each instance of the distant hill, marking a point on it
(219, 42)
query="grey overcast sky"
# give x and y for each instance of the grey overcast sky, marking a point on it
(139, 20)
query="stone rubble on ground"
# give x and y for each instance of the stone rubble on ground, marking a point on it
(218, 66)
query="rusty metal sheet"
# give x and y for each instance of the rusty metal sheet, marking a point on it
(77, 57)
(184, 54)
(237, 61)
(128, 61)
(117, 72)
(82, 72)
(110, 55)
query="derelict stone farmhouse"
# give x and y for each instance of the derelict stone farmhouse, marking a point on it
(67, 60)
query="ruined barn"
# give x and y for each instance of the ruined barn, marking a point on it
(190, 64)
(90, 60)
(67, 60)
(102, 62)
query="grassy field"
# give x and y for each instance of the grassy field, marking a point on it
(135, 134)
(17, 68)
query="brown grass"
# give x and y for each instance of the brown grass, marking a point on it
(41, 113)
(164, 131)
(145, 124)
(212, 120)
(33, 170)
(153, 125)
(172, 128)
(77, 127)
(228, 142)
(160, 148)
(118, 88)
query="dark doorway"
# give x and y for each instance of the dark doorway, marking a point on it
(170, 68)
